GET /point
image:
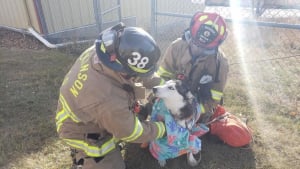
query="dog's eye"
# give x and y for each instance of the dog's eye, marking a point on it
(171, 88)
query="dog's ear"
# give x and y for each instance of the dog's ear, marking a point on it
(178, 82)
(182, 87)
(186, 111)
(183, 82)
(190, 97)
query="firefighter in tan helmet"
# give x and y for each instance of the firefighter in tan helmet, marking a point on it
(197, 59)
(95, 108)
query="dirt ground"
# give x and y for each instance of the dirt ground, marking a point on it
(215, 154)
(11, 39)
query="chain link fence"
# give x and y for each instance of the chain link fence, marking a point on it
(262, 47)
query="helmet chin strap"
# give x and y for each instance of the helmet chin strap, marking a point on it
(127, 76)
(210, 51)
(203, 52)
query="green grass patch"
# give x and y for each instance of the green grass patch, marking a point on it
(29, 85)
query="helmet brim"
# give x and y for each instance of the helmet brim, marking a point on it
(105, 59)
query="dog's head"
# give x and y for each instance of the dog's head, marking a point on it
(177, 98)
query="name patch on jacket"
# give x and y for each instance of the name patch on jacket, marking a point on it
(82, 75)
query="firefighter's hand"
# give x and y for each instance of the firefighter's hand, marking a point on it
(204, 93)
(145, 111)
(204, 87)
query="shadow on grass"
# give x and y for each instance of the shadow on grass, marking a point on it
(215, 155)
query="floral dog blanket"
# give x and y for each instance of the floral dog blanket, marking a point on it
(179, 140)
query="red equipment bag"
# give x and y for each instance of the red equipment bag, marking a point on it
(229, 128)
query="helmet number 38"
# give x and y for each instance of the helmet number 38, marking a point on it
(138, 61)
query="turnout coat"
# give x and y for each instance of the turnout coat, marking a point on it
(94, 110)
(178, 63)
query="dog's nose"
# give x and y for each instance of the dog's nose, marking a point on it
(154, 90)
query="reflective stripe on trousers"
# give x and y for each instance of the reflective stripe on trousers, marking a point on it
(90, 150)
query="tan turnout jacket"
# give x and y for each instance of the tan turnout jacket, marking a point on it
(92, 101)
(177, 60)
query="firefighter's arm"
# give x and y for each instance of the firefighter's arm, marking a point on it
(150, 82)
(216, 90)
(167, 67)
(125, 125)
(218, 86)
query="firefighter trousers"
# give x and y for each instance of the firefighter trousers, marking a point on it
(112, 160)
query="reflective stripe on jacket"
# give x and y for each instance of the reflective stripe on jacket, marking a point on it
(177, 61)
(92, 100)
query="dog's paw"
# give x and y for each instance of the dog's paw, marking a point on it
(191, 159)
(162, 163)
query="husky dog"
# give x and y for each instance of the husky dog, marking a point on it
(178, 99)
(179, 109)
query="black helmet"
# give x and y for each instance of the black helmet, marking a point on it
(130, 50)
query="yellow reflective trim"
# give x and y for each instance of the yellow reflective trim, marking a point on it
(158, 130)
(139, 70)
(209, 22)
(216, 27)
(212, 24)
(60, 115)
(137, 131)
(58, 127)
(92, 151)
(222, 31)
(116, 140)
(202, 108)
(216, 95)
(65, 113)
(162, 81)
(102, 48)
(67, 109)
(161, 129)
(164, 73)
(60, 118)
(203, 17)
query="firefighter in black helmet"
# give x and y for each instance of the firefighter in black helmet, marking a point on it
(128, 49)
(95, 108)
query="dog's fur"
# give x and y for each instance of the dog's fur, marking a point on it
(178, 99)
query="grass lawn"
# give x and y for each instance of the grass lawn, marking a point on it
(266, 93)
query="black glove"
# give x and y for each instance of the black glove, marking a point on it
(145, 111)
(204, 93)
(204, 86)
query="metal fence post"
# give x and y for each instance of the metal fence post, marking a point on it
(153, 17)
(41, 17)
(97, 13)
(119, 11)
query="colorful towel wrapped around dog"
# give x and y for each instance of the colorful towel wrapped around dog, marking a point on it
(179, 140)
